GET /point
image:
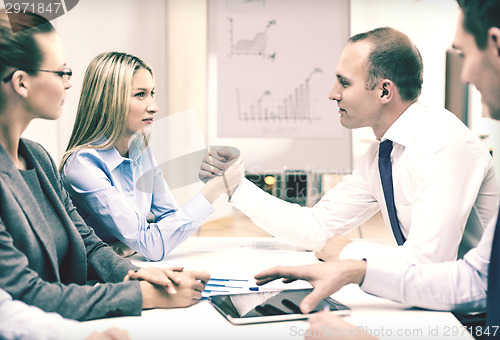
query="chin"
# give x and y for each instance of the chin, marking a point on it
(495, 114)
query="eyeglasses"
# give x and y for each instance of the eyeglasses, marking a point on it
(65, 72)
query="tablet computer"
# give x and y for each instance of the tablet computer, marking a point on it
(269, 306)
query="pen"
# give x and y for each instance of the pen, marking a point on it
(228, 192)
(216, 279)
(215, 290)
(326, 307)
(220, 285)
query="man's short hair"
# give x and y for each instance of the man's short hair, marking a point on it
(479, 17)
(393, 56)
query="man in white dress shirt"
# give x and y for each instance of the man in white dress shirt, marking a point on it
(444, 184)
(19, 321)
(467, 285)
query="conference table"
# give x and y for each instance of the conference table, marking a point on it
(241, 258)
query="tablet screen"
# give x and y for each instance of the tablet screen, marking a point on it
(274, 304)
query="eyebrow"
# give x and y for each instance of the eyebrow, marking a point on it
(340, 78)
(143, 89)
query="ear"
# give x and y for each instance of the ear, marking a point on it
(494, 37)
(386, 90)
(20, 83)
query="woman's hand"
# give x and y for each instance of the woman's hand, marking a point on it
(217, 161)
(166, 277)
(226, 183)
(189, 290)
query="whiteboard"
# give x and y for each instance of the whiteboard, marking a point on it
(271, 66)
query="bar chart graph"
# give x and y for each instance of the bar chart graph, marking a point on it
(255, 45)
(296, 106)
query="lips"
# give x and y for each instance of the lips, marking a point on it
(149, 120)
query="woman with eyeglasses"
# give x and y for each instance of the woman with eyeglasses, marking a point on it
(109, 169)
(49, 256)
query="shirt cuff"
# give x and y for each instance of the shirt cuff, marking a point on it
(352, 251)
(198, 208)
(244, 197)
(383, 279)
(365, 250)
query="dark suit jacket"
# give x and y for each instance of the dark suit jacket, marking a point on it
(29, 268)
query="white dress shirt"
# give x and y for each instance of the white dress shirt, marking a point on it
(115, 194)
(19, 321)
(445, 191)
(459, 285)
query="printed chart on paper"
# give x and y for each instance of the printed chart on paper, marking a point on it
(274, 72)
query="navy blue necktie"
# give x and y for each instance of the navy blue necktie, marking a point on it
(385, 169)
(493, 300)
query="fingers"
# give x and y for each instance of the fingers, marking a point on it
(117, 334)
(266, 276)
(195, 279)
(173, 275)
(199, 286)
(319, 254)
(110, 334)
(202, 276)
(153, 275)
(215, 169)
(228, 153)
(158, 276)
(311, 300)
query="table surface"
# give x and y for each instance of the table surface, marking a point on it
(242, 257)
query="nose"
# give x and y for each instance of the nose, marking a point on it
(67, 83)
(152, 108)
(465, 75)
(335, 92)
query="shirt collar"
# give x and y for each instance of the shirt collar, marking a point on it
(113, 158)
(403, 129)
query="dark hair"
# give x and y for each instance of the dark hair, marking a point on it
(393, 56)
(20, 50)
(479, 17)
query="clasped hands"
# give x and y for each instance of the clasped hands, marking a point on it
(169, 287)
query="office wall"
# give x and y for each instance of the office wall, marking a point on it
(96, 26)
(171, 36)
(432, 36)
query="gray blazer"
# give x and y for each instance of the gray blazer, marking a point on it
(29, 270)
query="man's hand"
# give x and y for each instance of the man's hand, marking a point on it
(219, 159)
(331, 251)
(167, 277)
(189, 289)
(224, 184)
(337, 327)
(326, 278)
(110, 334)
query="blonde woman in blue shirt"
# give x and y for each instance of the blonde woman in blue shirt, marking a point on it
(109, 169)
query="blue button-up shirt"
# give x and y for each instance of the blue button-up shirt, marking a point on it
(115, 195)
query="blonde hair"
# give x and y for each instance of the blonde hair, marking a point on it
(104, 102)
